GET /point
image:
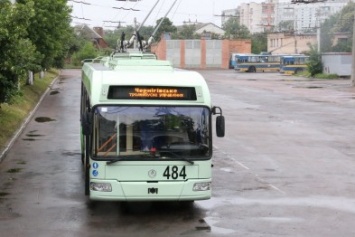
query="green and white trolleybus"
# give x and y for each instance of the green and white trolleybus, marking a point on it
(146, 130)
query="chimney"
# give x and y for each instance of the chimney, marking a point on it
(99, 30)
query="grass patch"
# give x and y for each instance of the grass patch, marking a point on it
(326, 76)
(318, 76)
(13, 114)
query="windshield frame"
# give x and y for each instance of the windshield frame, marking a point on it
(150, 156)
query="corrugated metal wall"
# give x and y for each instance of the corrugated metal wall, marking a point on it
(214, 53)
(173, 52)
(337, 63)
(193, 53)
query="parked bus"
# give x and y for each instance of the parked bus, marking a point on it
(233, 60)
(146, 130)
(258, 63)
(293, 64)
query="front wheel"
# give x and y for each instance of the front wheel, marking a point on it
(252, 69)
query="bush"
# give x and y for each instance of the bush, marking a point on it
(86, 52)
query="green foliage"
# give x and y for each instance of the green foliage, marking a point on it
(234, 30)
(17, 53)
(12, 115)
(314, 65)
(112, 37)
(326, 76)
(285, 26)
(166, 27)
(258, 43)
(88, 51)
(50, 29)
(339, 23)
(187, 32)
(34, 35)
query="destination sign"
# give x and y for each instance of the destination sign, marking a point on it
(152, 93)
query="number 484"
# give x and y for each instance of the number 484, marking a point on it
(173, 172)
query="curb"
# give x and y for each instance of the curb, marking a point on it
(27, 120)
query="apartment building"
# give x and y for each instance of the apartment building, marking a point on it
(250, 15)
(259, 17)
(306, 17)
(227, 14)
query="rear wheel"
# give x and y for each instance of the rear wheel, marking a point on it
(298, 70)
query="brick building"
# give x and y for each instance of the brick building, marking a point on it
(200, 53)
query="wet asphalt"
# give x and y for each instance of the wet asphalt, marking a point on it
(285, 168)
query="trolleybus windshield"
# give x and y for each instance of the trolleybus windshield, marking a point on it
(153, 132)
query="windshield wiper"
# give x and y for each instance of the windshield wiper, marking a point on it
(177, 156)
(188, 160)
(113, 161)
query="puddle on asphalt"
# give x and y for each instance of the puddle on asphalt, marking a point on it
(31, 135)
(3, 194)
(314, 87)
(44, 119)
(54, 92)
(34, 135)
(29, 139)
(14, 170)
(69, 153)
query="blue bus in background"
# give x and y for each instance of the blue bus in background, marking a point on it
(293, 64)
(233, 59)
(257, 63)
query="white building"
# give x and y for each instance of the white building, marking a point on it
(258, 17)
(250, 16)
(227, 14)
(209, 28)
(307, 16)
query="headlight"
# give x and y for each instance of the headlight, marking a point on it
(204, 186)
(101, 187)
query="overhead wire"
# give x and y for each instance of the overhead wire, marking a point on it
(161, 7)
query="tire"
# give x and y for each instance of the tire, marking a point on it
(252, 69)
(298, 70)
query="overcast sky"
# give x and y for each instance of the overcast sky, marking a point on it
(100, 12)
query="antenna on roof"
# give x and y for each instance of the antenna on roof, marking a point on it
(137, 30)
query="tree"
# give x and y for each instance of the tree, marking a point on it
(341, 22)
(187, 32)
(166, 27)
(18, 54)
(258, 43)
(50, 30)
(234, 30)
(87, 51)
(286, 26)
(314, 65)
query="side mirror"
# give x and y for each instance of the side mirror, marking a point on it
(220, 126)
